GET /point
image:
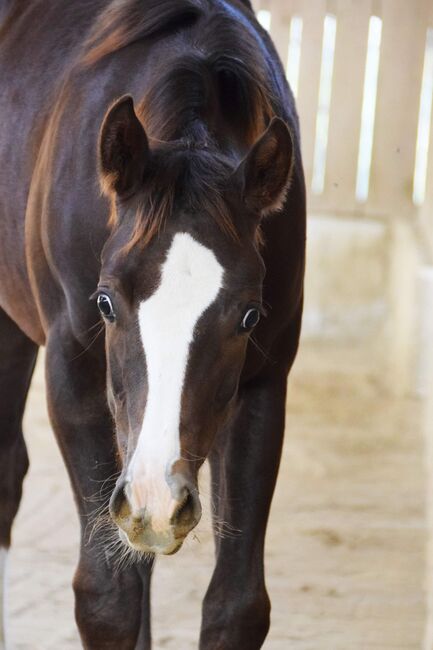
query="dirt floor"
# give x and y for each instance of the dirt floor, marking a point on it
(346, 542)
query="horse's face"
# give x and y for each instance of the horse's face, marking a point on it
(178, 315)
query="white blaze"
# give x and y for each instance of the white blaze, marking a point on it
(191, 278)
(3, 578)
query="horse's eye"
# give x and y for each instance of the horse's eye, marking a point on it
(250, 319)
(105, 306)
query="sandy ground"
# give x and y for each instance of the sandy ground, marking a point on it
(346, 542)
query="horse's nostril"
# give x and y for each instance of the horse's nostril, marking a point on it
(184, 513)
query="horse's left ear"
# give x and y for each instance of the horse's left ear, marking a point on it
(266, 170)
(123, 148)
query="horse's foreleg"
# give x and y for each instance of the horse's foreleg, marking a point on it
(108, 594)
(144, 641)
(17, 360)
(244, 469)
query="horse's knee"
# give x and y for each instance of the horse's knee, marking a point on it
(107, 607)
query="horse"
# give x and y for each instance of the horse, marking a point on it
(152, 238)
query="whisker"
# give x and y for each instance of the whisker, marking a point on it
(260, 349)
(87, 348)
(194, 457)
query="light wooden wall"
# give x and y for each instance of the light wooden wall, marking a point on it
(404, 29)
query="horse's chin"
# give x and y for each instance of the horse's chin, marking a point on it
(169, 548)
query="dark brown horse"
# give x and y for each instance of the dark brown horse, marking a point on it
(180, 111)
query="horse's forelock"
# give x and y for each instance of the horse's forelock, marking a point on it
(181, 178)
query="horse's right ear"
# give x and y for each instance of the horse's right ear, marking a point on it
(123, 148)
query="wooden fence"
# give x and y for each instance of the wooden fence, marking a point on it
(362, 71)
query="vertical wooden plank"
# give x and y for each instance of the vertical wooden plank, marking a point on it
(346, 105)
(426, 210)
(281, 14)
(313, 14)
(426, 304)
(400, 74)
(280, 27)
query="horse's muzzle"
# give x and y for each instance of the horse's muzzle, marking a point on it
(156, 530)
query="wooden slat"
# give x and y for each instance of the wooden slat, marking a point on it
(346, 105)
(281, 14)
(397, 108)
(280, 23)
(313, 14)
(426, 210)
(280, 27)
(400, 74)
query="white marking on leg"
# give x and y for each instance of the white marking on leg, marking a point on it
(3, 593)
(191, 278)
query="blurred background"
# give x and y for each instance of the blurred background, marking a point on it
(349, 551)
(362, 73)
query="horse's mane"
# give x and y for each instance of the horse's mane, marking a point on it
(126, 21)
(214, 73)
(220, 67)
(209, 88)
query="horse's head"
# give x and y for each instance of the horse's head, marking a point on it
(181, 292)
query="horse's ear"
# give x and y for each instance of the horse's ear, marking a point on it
(266, 170)
(123, 148)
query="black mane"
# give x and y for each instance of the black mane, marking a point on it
(216, 73)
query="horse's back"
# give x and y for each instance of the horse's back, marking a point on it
(38, 42)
